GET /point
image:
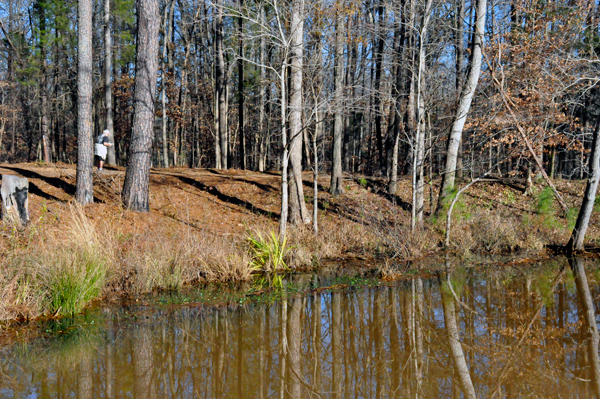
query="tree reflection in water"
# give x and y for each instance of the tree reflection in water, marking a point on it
(489, 332)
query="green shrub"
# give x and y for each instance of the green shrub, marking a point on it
(77, 279)
(268, 252)
(544, 201)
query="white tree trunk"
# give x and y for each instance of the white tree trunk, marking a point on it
(589, 198)
(448, 175)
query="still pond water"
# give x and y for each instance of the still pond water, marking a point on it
(516, 332)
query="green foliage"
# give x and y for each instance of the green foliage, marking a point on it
(572, 214)
(363, 182)
(268, 252)
(544, 201)
(76, 280)
(510, 196)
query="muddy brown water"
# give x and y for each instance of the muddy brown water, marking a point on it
(480, 332)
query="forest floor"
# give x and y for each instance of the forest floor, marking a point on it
(200, 219)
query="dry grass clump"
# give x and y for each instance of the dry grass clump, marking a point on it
(58, 269)
(170, 260)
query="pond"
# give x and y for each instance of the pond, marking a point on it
(510, 331)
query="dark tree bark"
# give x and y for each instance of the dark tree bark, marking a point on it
(85, 151)
(220, 89)
(378, 95)
(241, 92)
(336, 186)
(111, 158)
(135, 194)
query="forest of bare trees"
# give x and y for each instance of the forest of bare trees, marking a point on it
(419, 88)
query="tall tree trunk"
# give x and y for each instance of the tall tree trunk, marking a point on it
(377, 86)
(262, 134)
(241, 126)
(163, 86)
(419, 142)
(336, 186)
(284, 156)
(464, 105)
(137, 177)
(220, 85)
(110, 156)
(84, 193)
(589, 198)
(298, 211)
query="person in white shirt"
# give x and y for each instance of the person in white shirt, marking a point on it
(101, 148)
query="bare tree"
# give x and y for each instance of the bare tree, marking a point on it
(298, 211)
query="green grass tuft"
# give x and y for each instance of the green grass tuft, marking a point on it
(268, 252)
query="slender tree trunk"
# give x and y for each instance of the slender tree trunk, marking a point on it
(163, 87)
(84, 193)
(298, 211)
(284, 156)
(241, 92)
(220, 86)
(377, 86)
(111, 158)
(135, 193)
(336, 186)
(419, 143)
(262, 134)
(589, 198)
(464, 105)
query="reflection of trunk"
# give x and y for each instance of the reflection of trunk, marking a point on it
(219, 352)
(336, 347)
(283, 347)
(395, 344)
(458, 356)
(262, 353)
(418, 332)
(142, 363)
(316, 341)
(85, 377)
(295, 342)
(108, 385)
(589, 320)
